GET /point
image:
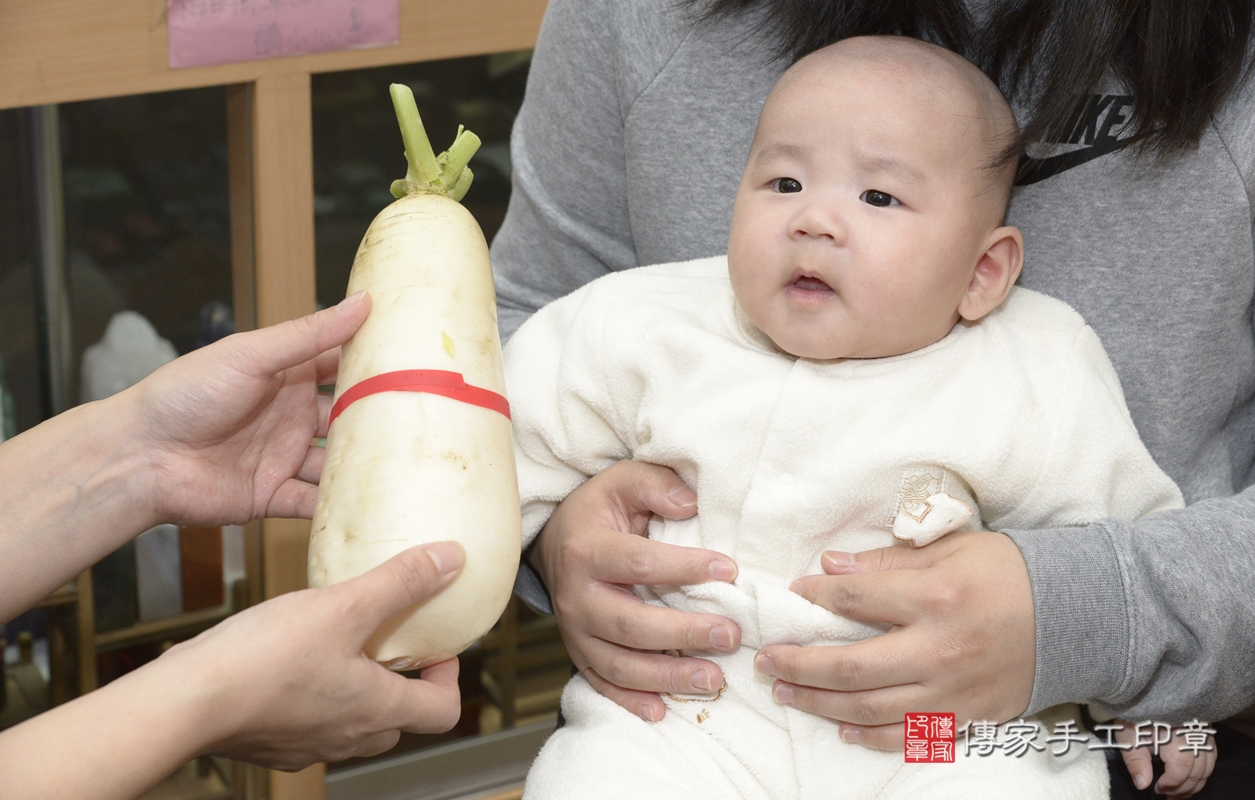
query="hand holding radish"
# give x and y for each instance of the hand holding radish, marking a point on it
(310, 694)
(283, 684)
(220, 435)
(230, 426)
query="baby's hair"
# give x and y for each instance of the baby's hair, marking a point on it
(999, 132)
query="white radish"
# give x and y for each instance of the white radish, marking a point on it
(411, 459)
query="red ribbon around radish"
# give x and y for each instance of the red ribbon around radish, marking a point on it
(428, 381)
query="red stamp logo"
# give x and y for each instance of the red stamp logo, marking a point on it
(929, 738)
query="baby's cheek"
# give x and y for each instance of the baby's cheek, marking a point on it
(750, 286)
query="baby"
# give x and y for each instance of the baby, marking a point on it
(859, 370)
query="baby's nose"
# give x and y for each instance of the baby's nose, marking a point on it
(819, 221)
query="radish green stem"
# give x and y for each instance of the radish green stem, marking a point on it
(460, 152)
(446, 174)
(418, 152)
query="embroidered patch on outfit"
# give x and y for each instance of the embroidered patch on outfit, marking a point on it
(923, 510)
(916, 486)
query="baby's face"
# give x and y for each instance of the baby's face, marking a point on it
(858, 222)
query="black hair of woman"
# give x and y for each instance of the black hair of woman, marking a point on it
(1179, 60)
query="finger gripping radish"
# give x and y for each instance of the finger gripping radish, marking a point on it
(419, 448)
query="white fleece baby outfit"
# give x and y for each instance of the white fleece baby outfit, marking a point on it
(1019, 417)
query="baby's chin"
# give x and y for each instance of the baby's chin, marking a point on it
(822, 333)
(803, 347)
(817, 348)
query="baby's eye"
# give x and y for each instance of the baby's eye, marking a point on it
(878, 198)
(787, 185)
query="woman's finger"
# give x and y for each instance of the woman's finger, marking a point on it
(637, 561)
(890, 738)
(869, 708)
(276, 348)
(646, 705)
(294, 499)
(638, 489)
(398, 583)
(443, 674)
(891, 597)
(432, 704)
(875, 663)
(324, 404)
(311, 468)
(882, 559)
(622, 618)
(327, 367)
(651, 672)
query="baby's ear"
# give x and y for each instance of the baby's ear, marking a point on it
(995, 273)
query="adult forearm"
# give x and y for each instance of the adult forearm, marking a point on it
(116, 742)
(71, 491)
(1148, 619)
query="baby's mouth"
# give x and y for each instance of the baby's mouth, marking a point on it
(809, 283)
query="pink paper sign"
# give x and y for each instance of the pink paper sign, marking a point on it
(204, 32)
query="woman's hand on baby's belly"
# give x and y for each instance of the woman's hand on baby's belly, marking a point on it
(963, 638)
(589, 559)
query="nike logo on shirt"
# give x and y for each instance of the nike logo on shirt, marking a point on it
(1095, 132)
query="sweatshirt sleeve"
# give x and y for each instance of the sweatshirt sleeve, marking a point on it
(1148, 619)
(567, 221)
(1151, 612)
